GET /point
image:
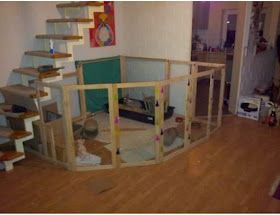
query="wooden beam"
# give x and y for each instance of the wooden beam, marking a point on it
(70, 74)
(80, 4)
(65, 20)
(167, 72)
(159, 120)
(114, 124)
(42, 127)
(58, 37)
(47, 54)
(68, 131)
(82, 92)
(194, 71)
(188, 113)
(123, 72)
(221, 97)
(210, 104)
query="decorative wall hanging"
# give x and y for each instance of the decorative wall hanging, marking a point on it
(104, 32)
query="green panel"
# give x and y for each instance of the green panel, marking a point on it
(97, 72)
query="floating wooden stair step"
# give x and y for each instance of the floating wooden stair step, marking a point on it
(11, 155)
(13, 134)
(34, 72)
(80, 4)
(5, 109)
(58, 37)
(81, 20)
(47, 54)
(21, 90)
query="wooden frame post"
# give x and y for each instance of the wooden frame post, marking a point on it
(194, 70)
(114, 124)
(221, 97)
(210, 103)
(123, 72)
(68, 131)
(42, 127)
(167, 71)
(159, 120)
(188, 112)
(82, 92)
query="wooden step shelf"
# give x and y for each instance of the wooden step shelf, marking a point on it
(58, 37)
(6, 110)
(34, 72)
(11, 155)
(21, 90)
(78, 20)
(80, 4)
(13, 134)
(47, 54)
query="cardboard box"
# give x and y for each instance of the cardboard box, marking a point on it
(249, 107)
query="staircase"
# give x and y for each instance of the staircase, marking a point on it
(25, 95)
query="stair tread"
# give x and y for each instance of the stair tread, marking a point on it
(10, 155)
(13, 134)
(34, 72)
(5, 109)
(58, 36)
(47, 54)
(22, 90)
(69, 20)
(80, 4)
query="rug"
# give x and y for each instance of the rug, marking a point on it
(136, 138)
(143, 152)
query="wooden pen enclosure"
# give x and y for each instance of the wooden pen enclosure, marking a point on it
(123, 146)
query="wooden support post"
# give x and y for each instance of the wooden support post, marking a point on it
(82, 92)
(68, 131)
(210, 104)
(188, 112)
(52, 142)
(114, 124)
(159, 120)
(167, 67)
(123, 73)
(42, 127)
(194, 70)
(221, 98)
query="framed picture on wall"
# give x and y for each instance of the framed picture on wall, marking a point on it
(104, 32)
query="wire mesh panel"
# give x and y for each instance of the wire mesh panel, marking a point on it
(48, 131)
(91, 132)
(136, 124)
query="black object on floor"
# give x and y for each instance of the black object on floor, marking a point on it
(141, 117)
(276, 194)
(18, 109)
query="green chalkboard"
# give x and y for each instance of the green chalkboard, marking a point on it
(96, 72)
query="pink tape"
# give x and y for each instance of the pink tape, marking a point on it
(117, 120)
(157, 138)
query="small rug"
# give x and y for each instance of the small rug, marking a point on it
(101, 185)
(143, 152)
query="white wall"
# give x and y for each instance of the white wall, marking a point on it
(150, 29)
(158, 29)
(13, 39)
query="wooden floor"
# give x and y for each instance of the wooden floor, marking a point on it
(232, 172)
